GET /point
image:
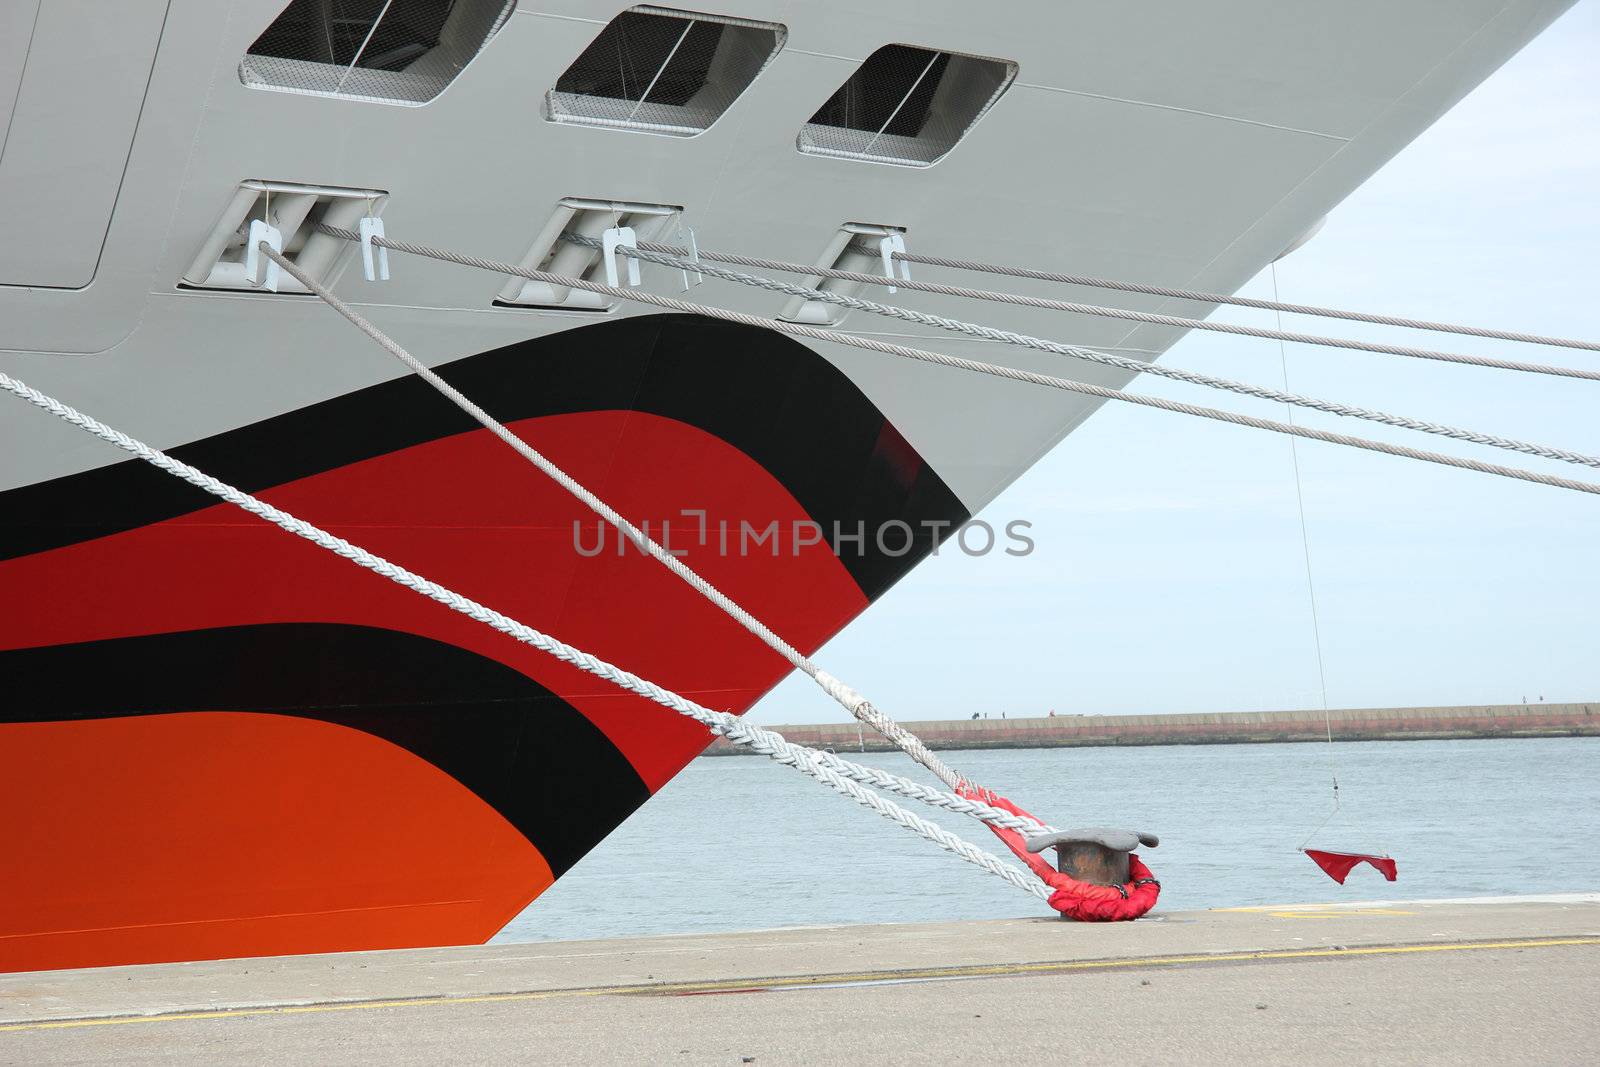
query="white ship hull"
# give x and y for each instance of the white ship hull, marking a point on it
(174, 665)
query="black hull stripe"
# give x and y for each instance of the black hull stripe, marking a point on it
(522, 749)
(772, 398)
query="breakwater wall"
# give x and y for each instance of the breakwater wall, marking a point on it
(1221, 728)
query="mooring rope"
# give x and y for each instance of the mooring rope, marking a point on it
(1137, 366)
(957, 362)
(839, 774)
(1244, 301)
(1122, 313)
(847, 697)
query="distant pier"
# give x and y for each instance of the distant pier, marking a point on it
(1220, 728)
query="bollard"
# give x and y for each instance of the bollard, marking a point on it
(1097, 856)
(1090, 861)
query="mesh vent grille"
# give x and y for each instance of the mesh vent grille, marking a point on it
(906, 105)
(663, 71)
(402, 51)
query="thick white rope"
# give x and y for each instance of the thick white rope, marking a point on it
(1137, 366)
(848, 698)
(1124, 314)
(825, 767)
(945, 360)
(1247, 302)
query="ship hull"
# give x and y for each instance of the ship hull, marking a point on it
(236, 743)
(218, 740)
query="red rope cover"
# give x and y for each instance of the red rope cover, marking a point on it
(1083, 901)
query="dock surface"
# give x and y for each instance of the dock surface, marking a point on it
(1391, 981)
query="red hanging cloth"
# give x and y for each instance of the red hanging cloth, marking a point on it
(1338, 865)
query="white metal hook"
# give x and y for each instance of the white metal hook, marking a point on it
(610, 241)
(374, 258)
(887, 247)
(261, 231)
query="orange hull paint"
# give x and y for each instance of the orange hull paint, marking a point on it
(366, 846)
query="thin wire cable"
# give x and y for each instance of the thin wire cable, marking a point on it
(1311, 587)
(688, 24)
(957, 362)
(897, 108)
(1316, 620)
(364, 42)
(1136, 366)
(847, 697)
(825, 767)
(1131, 316)
(1247, 302)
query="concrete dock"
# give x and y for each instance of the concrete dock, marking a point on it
(1209, 728)
(1396, 981)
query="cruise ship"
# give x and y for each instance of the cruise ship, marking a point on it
(217, 740)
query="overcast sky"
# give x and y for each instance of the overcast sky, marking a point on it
(1170, 574)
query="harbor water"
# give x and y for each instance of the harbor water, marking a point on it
(743, 843)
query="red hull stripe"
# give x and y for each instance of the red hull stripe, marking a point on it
(786, 408)
(491, 528)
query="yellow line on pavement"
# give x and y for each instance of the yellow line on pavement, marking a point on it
(732, 985)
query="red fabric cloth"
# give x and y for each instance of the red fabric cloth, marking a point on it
(1083, 901)
(1338, 865)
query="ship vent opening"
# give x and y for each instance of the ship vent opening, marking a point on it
(394, 51)
(906, 105)
(853, 248)
(549, 253)
(663, 71)
(296, 211)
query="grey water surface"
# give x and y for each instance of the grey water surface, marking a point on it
(740, 843)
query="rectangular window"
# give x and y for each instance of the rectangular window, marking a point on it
(906, 105)
(663, 71)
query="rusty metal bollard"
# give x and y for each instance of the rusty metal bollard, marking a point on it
(1095, 855)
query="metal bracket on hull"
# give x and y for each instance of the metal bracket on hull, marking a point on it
(888, 245)
(552, 253)
(227, 259)
(374, 260)
(610, 241)
(262, 232)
